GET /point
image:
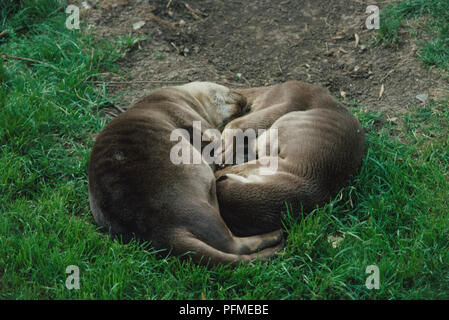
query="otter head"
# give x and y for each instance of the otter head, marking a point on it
(220, 103)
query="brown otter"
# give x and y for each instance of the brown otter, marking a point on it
(320, 146)
(136, 190)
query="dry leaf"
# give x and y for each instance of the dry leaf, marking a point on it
(138, 25)
(337, 37)
(86, 5)
(357, 39)
(422, 97)
(335, 240)
(381, 92)
(203, 297)
(393, 120)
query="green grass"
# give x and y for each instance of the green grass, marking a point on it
(434, 15)
(159, 55)
(394, 215)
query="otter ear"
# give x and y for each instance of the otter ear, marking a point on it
(240, 101)
(221, 178)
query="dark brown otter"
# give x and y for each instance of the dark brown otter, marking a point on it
(320, 146)
(136, 190)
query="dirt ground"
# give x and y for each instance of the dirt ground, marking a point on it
(263, 42)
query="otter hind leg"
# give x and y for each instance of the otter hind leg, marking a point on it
(253, 244)
(247, 249)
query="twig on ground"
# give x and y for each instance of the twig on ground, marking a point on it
(85, 100)
(118, 108)
(381, 92)
(340, 37)
(387, 75)
(194, 12)
(110, 113)
(93, 103)
(6, 57)
(4, 33)
(49, 101)
(161, 21)
(280, 68)
(174, 46)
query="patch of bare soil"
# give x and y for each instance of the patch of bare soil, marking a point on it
(263, 42)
